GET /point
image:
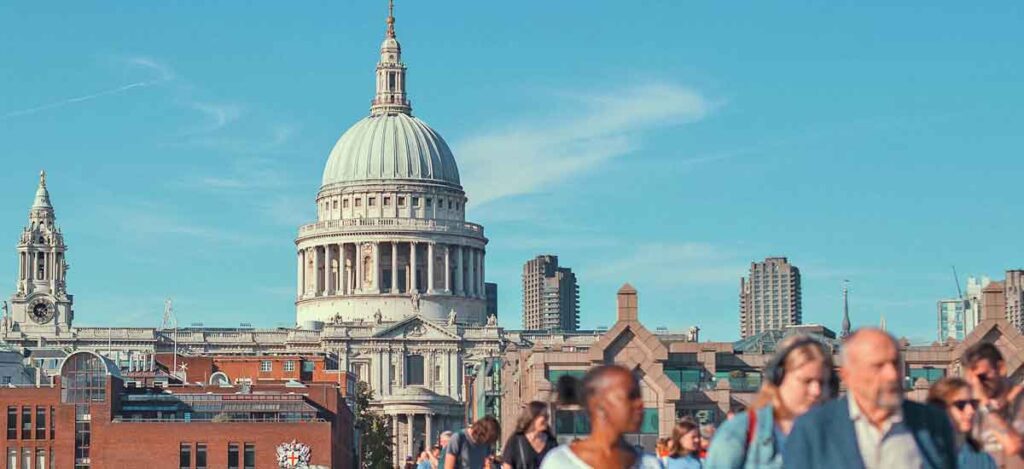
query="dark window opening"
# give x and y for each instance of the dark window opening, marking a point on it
(250, 456)
(232, 455)
(26, 423)
(40, 423)
(12, 423)
(200, 455)
(414, 370)
(185, 456)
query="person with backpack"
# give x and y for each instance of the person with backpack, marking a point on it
(471, 448)
(798, 377)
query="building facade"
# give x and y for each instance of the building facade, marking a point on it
(952, 319)
(391, 237)
(703, 380)
(958, 316)
(389, 282)
(770, 297)
(1013, 287)
(88, 418)
(550, 296)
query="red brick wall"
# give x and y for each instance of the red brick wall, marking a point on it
(130, 444)
(33, 398)
(153, 445)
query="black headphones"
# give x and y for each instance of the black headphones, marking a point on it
(775, 372)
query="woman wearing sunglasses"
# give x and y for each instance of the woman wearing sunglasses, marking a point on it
(954, 395)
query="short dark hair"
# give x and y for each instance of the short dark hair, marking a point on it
(982, 351)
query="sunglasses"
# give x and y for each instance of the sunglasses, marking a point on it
(962, 403)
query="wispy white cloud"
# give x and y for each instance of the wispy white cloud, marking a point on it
(215, 115)
(163, 74)
(243, 175)
(145, 221)
(668, 264)
(264, 140)
(288, 210)
(525, 157)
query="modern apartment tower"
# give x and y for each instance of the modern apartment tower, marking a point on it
(770, 297)
(958, 316)
(551, 298)
(1013, 287)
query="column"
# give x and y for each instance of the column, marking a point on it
(316, 270)
(376, 268)
(430, 267)
(21, 266)
(386, 388)
(378, 373)
(412, 420)
(429, 434)
(394, 433)
(298, 274)
(394, 267)
(447, 269)
(347, 276)
(357, 265)
(471, 281)
(483, 280)
(327, 270)
(452, 379)
(412, 267)
(458, 271)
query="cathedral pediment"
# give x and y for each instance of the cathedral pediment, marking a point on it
(415, 327)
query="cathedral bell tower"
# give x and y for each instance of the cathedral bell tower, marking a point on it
(40, 304)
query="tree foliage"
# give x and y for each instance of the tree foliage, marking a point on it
(375, 445)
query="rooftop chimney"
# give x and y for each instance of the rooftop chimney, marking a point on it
(627, 303)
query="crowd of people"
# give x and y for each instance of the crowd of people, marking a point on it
(797, 420)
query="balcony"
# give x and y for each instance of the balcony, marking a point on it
(369, 225)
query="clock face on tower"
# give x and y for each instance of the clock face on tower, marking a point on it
(41, 311)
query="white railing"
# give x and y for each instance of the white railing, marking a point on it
(405, 224)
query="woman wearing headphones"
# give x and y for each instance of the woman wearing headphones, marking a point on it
(798, 377)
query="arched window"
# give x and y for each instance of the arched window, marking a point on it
(220, 379)
(83, 378)
(414, 370)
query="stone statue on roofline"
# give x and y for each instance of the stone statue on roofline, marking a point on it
(452, 316)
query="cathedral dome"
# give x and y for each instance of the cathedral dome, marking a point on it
(389, 147)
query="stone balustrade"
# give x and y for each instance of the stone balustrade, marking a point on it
(351, 225)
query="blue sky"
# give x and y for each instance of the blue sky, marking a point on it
(664, 143)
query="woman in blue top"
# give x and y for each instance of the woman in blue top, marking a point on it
(798, 377)
(954, 395)
(684, 446)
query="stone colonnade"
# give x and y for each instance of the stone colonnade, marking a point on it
(39, 265)
(430, 431)
(339, 269)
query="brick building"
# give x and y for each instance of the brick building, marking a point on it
(88, 418)
(681, 377)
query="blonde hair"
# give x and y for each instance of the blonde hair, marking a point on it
(810, 351)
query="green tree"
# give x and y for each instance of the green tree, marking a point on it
(375, 443)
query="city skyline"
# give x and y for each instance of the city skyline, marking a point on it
(191, 172)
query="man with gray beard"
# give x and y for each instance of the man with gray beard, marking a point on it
(872, 427)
